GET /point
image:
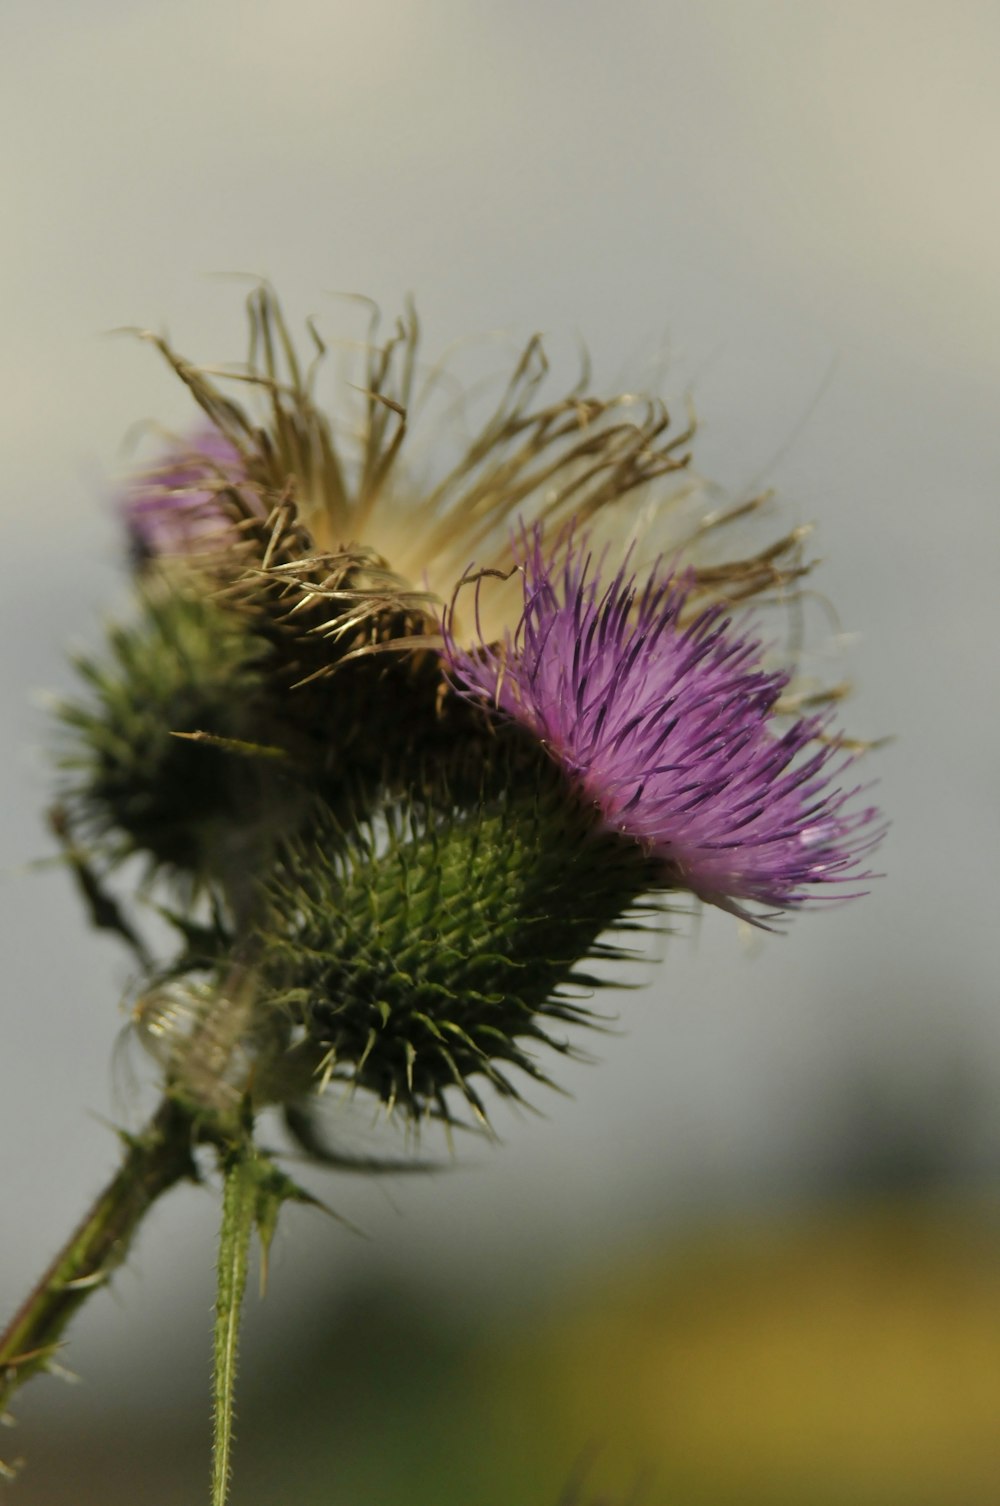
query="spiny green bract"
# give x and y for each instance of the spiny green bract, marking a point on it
(184, 666)
(425, 953)
(212, 808)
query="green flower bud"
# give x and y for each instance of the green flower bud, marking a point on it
(197, 745)
(185, 667)
(434, 948)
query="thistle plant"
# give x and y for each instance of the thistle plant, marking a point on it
(410, 766)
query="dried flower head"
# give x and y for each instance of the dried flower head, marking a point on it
(665, 722)
(334, 538)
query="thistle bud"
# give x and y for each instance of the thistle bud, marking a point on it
(436, 947)
(136, 781)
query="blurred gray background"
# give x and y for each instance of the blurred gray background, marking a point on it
(788, 211)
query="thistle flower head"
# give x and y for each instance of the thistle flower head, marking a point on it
(335, 538)
(665, 722)
(176, 507)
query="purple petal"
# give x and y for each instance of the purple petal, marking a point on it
(667, 727)
(175, 508)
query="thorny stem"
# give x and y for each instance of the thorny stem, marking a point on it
(155, 1160)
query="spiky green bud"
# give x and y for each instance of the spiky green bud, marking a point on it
(137, 782)
(434, 948)
(195, 743)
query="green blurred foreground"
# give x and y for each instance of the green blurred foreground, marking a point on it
(850, 1358)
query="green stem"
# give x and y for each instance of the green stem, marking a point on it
(155, 1161)
(239, 1214)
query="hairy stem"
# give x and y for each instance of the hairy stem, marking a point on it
(155, 1161)
(239, 1213)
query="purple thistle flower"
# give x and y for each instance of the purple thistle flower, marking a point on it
(666, 725)
(174, 508)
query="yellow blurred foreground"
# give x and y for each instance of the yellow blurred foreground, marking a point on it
(849, 1358)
